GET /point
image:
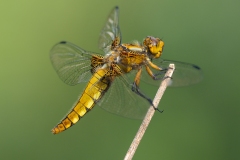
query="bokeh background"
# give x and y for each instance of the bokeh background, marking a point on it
(199, 121)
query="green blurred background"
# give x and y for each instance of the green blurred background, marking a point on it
(199, 121)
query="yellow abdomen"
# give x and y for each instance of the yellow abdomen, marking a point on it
(95, 89)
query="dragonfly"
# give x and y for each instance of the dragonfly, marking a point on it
(113, 77)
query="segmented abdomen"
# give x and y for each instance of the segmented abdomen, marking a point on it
(95, 89)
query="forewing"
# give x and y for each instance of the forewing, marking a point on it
(110, 31)
(185, 73)
(121, 100)
(71, 63)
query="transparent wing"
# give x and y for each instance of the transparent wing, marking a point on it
(71, 63)
(185, 73)
(110, 31)
(121, 100)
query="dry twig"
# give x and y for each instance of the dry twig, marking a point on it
(149, 115)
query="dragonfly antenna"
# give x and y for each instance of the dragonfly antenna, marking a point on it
(133, 147)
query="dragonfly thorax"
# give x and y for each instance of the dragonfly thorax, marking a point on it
(112, 57)
(133, 47)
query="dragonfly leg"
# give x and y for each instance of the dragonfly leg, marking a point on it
(135, 88)
(155, 76)
(164, 70)
(150, 63)
(137, 77)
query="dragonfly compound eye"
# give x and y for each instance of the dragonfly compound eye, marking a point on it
(154, 46)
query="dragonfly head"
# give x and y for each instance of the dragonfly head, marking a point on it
(154, 46)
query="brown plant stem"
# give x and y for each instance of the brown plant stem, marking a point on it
(133, 147)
